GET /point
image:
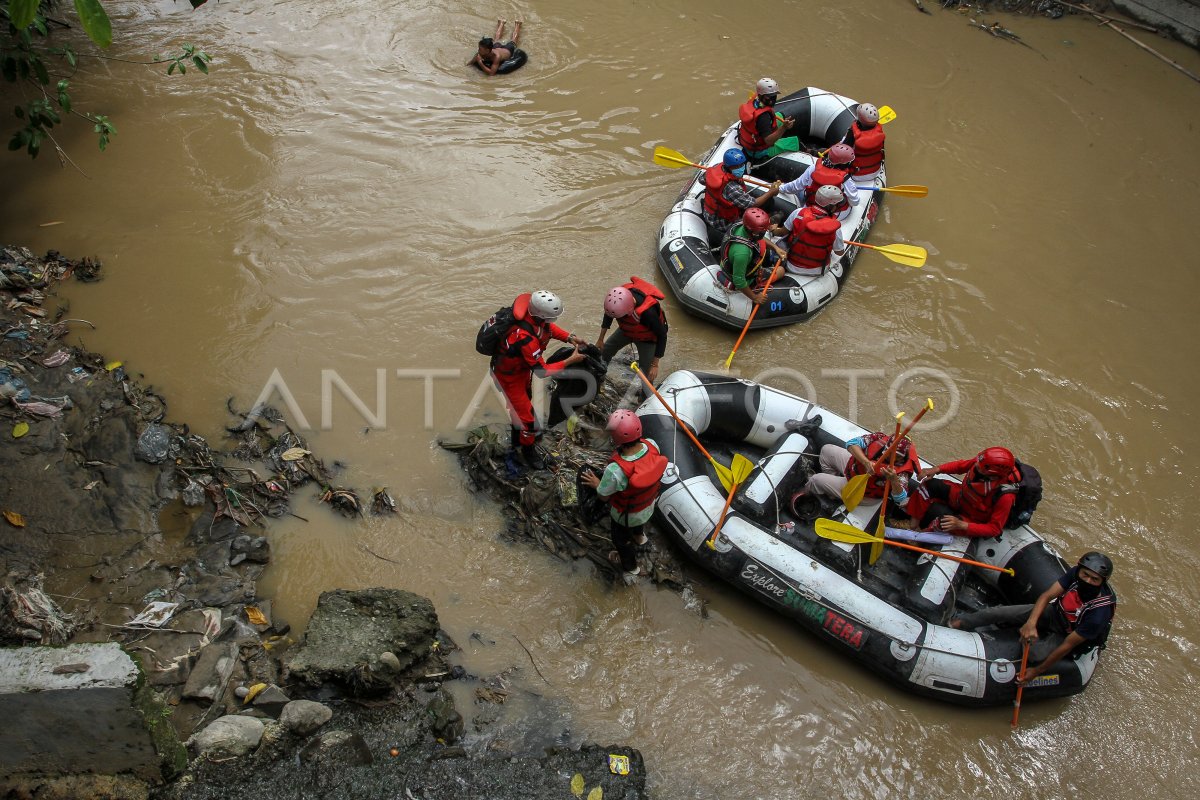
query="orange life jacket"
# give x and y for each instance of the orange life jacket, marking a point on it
(643, 474)
(827, 176)
(631, 324)
(868, 149)
(748, 137)
(814, 232)
(715, 179)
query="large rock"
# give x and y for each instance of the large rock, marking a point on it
(209, 677)
(350, 629)
(231, 735)
(81, 709)
(303, 717)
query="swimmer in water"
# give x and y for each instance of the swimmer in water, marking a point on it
(491, 55)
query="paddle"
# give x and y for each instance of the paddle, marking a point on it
(749, 319)
(841, 532)
(741, 467)
(673, 159)
(852, 495)
(723, 473)
(880, 530)
(909, 255)
(1020, 678)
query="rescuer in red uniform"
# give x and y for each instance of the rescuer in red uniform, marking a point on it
(519, 357)
(977, 507)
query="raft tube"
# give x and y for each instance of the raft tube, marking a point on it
(890, 617)
(685, 251)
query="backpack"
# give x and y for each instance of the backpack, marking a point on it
(1029, 494)
(494, 330)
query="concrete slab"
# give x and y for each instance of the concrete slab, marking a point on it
(71, 710)
(1180, 18)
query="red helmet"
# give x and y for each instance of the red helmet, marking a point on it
(840, 154)
(756, 220)
(619, 302)
(996, 462)
(624, 426)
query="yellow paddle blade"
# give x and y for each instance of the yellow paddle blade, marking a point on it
(841, 532)
(906, 189)
(854, 491)
(886, 114)
(741, 467)
(877, 544)
(910, 255)
(724, 476)
(666, 157)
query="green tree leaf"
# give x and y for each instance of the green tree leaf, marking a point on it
(21, 13)
(200, 65)
(95, 21)
(39, 69)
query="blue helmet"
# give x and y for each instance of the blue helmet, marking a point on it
(734, 158)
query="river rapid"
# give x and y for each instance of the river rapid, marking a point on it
(342, 195)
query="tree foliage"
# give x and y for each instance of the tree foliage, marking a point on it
(30, 59)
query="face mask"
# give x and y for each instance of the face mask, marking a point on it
(739, 171)
(1086, 591)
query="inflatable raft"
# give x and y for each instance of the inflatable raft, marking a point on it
(686, 252)
(892, 616)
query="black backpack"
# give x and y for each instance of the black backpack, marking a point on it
(1029, 494)
(494, 329)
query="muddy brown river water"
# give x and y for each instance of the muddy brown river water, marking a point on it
(342, 197)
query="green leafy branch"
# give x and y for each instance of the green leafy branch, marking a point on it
(23, 61)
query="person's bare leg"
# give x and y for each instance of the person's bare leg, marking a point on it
(517, 32)
(500, 23)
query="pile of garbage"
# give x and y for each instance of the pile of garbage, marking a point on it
(552, 507)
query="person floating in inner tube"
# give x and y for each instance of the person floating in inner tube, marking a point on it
(520, 356)
(745, 252)
(629, 484)
(1079, 604)
(491, 55)
(832, 170)
(725, 193)
(762, 132)
(977, 507)
(813, 234)
(866, 136)
(862, 455)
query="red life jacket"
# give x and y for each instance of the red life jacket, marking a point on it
(715, 178)
(748, 137)
(827, 176)
(631, 324)
(868, 149)
(813, 235)
(978, 494)
(643, 473)
(734, 238)
(876, 444)
(508, 360)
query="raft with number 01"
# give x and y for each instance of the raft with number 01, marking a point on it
(891, 616)
(689, 255)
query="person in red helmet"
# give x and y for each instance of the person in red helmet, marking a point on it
(726, 197)
(762, 131)
(519, 357)
(866, 136)
(629, 484)
(641, 321)
(976, 507)
(744, 254)
(813, 234)
(863, 455)
(831, 170)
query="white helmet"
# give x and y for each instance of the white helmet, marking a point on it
(767, 86)
(545, 306)
(867, 114)
(828, 196)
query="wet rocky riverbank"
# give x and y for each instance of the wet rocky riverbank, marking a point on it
(122, 525)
